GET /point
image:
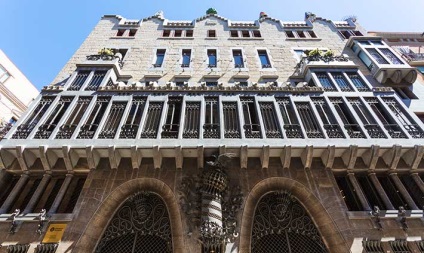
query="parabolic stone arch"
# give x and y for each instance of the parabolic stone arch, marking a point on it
(112, 204)
(322, 220)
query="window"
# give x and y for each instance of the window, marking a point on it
(178, 33)
(166, 33)
(211, 33)
(192, 120)
(357, 81)
(331, 125)
(79, 80)
(151, 124)
(211, 128)
(92, 123)
(377, 56)
(367, 118)
(421, 69)
(325, 81)
(132, 123)
(96, 80)
(289, 34)
(234, 33)
(173, 118)
(384, 116)
(312, 34)
(271, 125)
(160, 56)
(120, 32)
(132, 32)
(391, 56)
(238, 59)
(366, 60)
(211, 83)
(252, 128)
(350, 124)
(113, 120)
(346, 34)
(404, 93)
(4, 75)
(309, 121)
(300, 34)
(263, 56)
(341, 81)
(211, 58)
(71, 123)
(231, 120)
(372, 246)
(46, 129)
(256, 33)
(186, 58)
(29, 124)
(188, 33)
(245, 34)
(290, 121)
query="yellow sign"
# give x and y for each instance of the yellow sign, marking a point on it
(54, 233)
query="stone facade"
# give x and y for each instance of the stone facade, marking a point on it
(120, 133)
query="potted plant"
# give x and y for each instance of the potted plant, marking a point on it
(106, 51)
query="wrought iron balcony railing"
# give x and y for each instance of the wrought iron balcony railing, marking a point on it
(413, 56)
(105, 58)
(87, 131)
(252, 130)
(354, 131)
(23, 131)
(211, 131)
(394, 131)
(320, 61)
(4, 129)
(414, 130)
(374, 131)
(293, 131)
(129, 131)
(333, 131)
(170, 131)
(44, 131)
(66, 131)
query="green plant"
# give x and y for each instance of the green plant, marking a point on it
(329, 53)
(314, 53)
(211, 11)
(106, 51)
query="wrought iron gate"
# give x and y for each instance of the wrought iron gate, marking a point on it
(141, 225)
(281, 224)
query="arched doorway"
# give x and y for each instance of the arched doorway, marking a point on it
(281, 224)
(141, 225)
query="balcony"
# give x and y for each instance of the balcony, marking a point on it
(393, 73)
(211, 130)
(105, 58)
(414, 58)
(321, 61)
(4, 129)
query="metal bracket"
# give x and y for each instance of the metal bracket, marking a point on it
(14, 222)
(41, 221)
(375, 213)
(402, 215)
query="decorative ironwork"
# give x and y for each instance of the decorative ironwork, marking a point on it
(358, 82)
(374, 131)
(420, 245)
(231, 120)
(113, 120)
(372, 247)
(4, 129)
(173, 118)
(96, 80)
(141, 225)
(281, 224)
(211, 128)
(400, 246)
(402, 215)
(18, 248)
(68, 128)
(46, 129)
(291, 124)
(151, 124)
(79, 80)
(314, 58)
(341, 81)
(14, 223)
(130, 128)
(105, 57)
(252, 128)
(192, 120)
(46, 248)
(272, 129)
(90, 127)
(333, 131)
(325, 81)
(375, 213)
(309, 120)
(41, 221)
(354, 131)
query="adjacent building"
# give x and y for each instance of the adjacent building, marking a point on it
(16, 93)
(220, 136)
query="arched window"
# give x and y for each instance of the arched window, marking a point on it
(281, 224)
(141, 225)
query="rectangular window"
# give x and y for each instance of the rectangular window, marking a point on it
(211, 128)
(384, 116)
(391, 56)
(211, 83)
(192, 120)
(252, 128)
(46, 129)
(245, 34)
(29, 124)
(186, 58)
(331, 125)
(325, 81)
(120, 32)
(231, 120)
(71, 123)
(4, 75)
(312, 34)
(357, 81)
(113, 120)
(212, 58)
(348, 193)
(132, 123)
(238, 59)
(377, 56)
(211, 33)
(166, 33)
(79, 80)
(309, 121)
(151, 124)
(366, 60)
(160, 56)
(178, 33)
(173, 118)
(189, 33)
(291, 124)
(300, 34)
(96, 80)
(367, 118)
(350, 124)
(269, 116)
(289, 34)
(132, 32)
(234, 33)
(263, 56)
(341, 81)
(92, 123)
(256, 33)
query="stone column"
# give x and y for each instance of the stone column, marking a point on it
(418, 181)
(403, 192)
(61, 194)
(358, 190)
(381, 192)
(14, 193)
(37, 194)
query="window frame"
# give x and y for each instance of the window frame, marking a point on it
(4, 75)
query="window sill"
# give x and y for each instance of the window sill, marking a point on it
(176, 38)
(211, 38)
(242, 38)
(306, 39)
(241, 69)
(122, 37)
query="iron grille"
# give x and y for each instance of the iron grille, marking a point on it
(231, 120)
(420, 245)
(399, 246)
(141, 225)
(151, 124)
(192, 120)
(372, 247)
(112, 122)
(79, 80)
(96, 80)
(281, 224)
(71, 123)
(18, 248)
(271, 125)
(46, 248)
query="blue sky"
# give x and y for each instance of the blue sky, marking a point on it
(40, 36)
